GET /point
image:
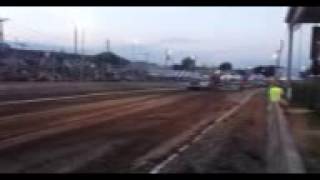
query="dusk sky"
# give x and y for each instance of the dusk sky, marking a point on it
(245, 36)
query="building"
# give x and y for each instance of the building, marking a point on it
(297, 17)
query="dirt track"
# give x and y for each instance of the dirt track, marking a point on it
(105, 135)
(29, 90)
(237, 145)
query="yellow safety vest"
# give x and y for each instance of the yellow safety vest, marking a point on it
(275, 94)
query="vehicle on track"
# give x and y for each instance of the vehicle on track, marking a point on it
(257, 80)
(230, 82)
(203, 83)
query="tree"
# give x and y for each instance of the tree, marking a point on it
(110, 58)
(225, 66)
(188, 63)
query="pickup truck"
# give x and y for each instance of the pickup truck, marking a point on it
(199, 84)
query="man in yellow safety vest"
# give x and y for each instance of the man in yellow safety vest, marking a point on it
(275, 92)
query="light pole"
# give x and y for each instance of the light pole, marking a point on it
(279, 52)
(276, 56)
(289, 66)
(168, 53)
(136, 42)
(1, 29)
(82, 59)
(108, 45)
(75, 40)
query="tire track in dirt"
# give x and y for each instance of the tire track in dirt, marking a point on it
(101, 144)
(14, 124)
(89, 132)
(80, 120)
(152, 137)
(34, 106)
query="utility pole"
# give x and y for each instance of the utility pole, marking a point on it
(82, 56)
(75, 40)
(167, 57)
(108, 45)
(195, 58)
(279, 52)
(1, 29)
(82, 42)
(289, 66)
